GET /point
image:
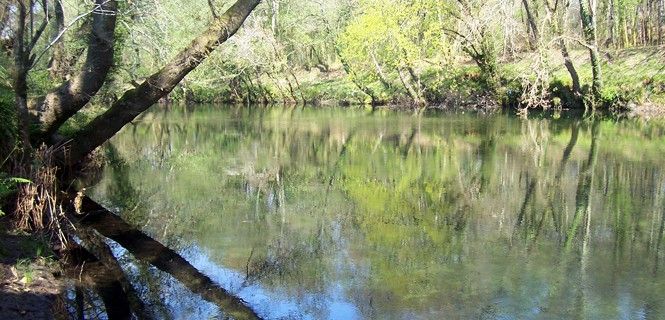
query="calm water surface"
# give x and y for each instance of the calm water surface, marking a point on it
(333, 213)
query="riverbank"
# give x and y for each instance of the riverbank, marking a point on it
(32, 285)
(632, 78)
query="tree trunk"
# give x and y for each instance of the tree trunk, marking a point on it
(533, 40)
(57, 65)
(274, 12)
(611, 21)
(133, 102)
(588, 16)
(661, 20)
(410, 84)
(20, 81)
(568, 62)
(62, 103)
(211, 5)
(354, 78)
(379, 71)
(417, 84)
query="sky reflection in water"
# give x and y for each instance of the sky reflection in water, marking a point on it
(347, 213)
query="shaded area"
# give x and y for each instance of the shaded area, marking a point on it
(31, 285)
(147, 249)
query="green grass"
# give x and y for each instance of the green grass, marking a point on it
(337, 90)
(629, 75)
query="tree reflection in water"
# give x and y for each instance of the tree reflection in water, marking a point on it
(347, 212)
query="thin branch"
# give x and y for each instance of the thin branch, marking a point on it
(40, 29)
(212, 9)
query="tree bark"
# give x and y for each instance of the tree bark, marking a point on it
(555, 23)
(588, 16)
(532, 25)
(568, 62)
(407, 85)
(379, 71)
(211, 4)
(133, 102)
(354, 78)
(62, 103)
(57, 65)
(20, 76)
(661, 20)
(274, 16)
(611, 21)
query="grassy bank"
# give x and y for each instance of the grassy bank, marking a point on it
(631, 77)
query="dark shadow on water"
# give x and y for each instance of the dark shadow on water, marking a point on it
(149, 250)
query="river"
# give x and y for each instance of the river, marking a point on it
(349, 213)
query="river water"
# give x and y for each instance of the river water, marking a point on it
(348, 213)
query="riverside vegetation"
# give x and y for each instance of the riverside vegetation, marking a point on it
(446, 53)
(73, 74)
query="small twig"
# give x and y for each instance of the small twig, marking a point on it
(81, 273)
(249, 260)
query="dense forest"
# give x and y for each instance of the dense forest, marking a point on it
(74, 74)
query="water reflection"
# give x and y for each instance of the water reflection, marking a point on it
(345, 213)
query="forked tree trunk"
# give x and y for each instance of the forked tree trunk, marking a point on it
(62, 103)
(133, 102)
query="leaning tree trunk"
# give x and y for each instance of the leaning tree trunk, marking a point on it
(568, 63)
(558, 31)
(62, 103)
(533, 40)
(133, 102)
(379, 72)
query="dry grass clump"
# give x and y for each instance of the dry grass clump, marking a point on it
(37, 204)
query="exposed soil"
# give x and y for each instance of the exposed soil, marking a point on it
(647, 111)
(31, 286)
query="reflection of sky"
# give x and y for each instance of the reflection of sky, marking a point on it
(181, 303)
(497, 282)
(271, 304)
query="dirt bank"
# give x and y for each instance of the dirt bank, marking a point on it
(31, 286)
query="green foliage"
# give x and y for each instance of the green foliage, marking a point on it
(9, 127)
(40, 82)
(8, 187)
(80, 119)
(383, 44)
